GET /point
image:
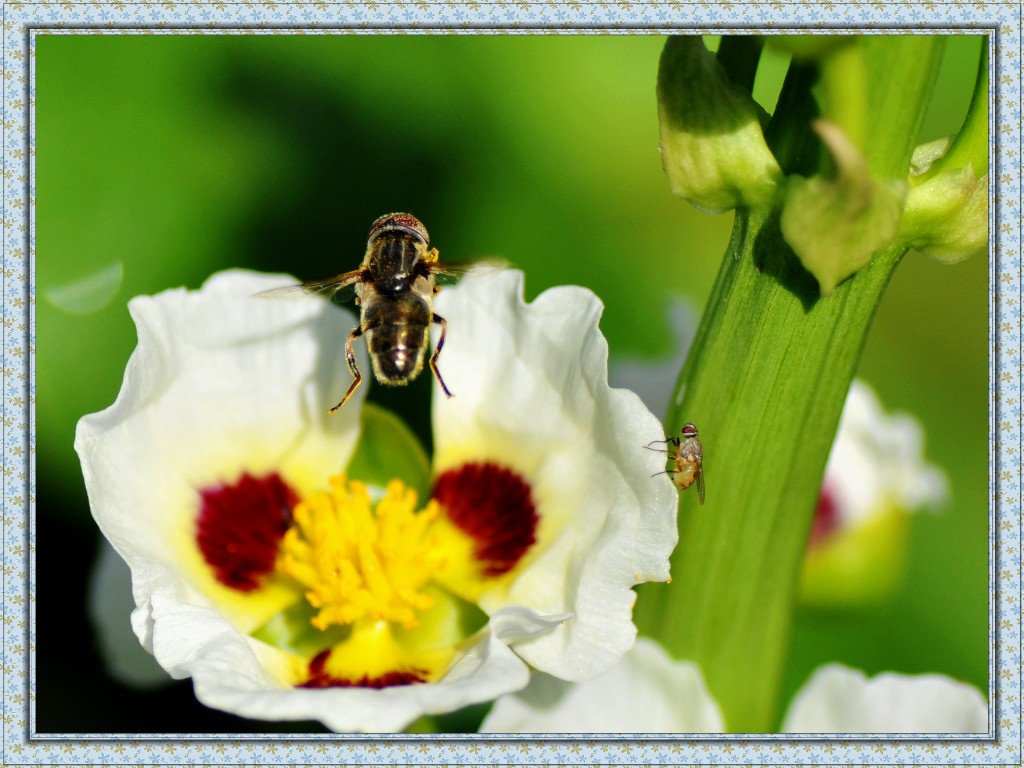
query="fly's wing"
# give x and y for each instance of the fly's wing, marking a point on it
(337, 288)
(700, 485)
(449, 274)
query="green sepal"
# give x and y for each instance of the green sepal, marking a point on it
(712, 147)
(387, 449)
(836, 225)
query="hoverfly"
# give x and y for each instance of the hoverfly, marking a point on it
(688, 458)
(394, 286)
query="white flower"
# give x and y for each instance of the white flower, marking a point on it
(288, 590)
(648, 692)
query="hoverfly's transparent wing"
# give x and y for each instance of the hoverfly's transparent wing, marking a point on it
(449, 274)
(700, 485)
(337, 288)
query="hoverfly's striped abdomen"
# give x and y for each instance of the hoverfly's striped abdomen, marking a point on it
(396, 335)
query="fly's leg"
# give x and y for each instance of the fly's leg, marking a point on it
(350, 356)
(666, 441)
(673, 441)
(436, 318)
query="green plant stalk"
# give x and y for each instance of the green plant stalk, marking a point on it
(765, 384)
(844, 90)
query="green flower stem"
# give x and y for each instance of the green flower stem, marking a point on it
(765, 384)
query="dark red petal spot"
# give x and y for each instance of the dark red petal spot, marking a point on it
(826, 517)
(240, 525)
(494, 506)
(320, 678)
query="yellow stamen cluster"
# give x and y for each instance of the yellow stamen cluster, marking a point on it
(360, 563)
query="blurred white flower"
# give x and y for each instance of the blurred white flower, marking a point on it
(649, 692)
(838, 699)
(288, 589)
(110, 606)
(876, 475)
(877, 462)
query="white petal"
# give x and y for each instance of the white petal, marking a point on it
(221, 382)
(513, 623)
(240, 675)
(838, 699)
(646, 692)
(531, 393)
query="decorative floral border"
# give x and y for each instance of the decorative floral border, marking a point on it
(21, 21)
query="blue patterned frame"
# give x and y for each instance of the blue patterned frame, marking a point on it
(21, 745)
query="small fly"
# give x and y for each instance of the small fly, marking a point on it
(687, 456)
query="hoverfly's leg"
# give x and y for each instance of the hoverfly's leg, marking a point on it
(436, 318)
(350, 356)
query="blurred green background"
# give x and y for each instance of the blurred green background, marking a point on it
(162, 159)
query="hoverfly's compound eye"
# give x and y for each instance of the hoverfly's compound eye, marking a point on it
(398, 222)
(689, 430)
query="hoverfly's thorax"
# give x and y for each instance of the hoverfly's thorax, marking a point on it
(394, 263)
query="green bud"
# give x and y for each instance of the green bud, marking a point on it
(835, 226)
(946, 215)
(712, 147)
